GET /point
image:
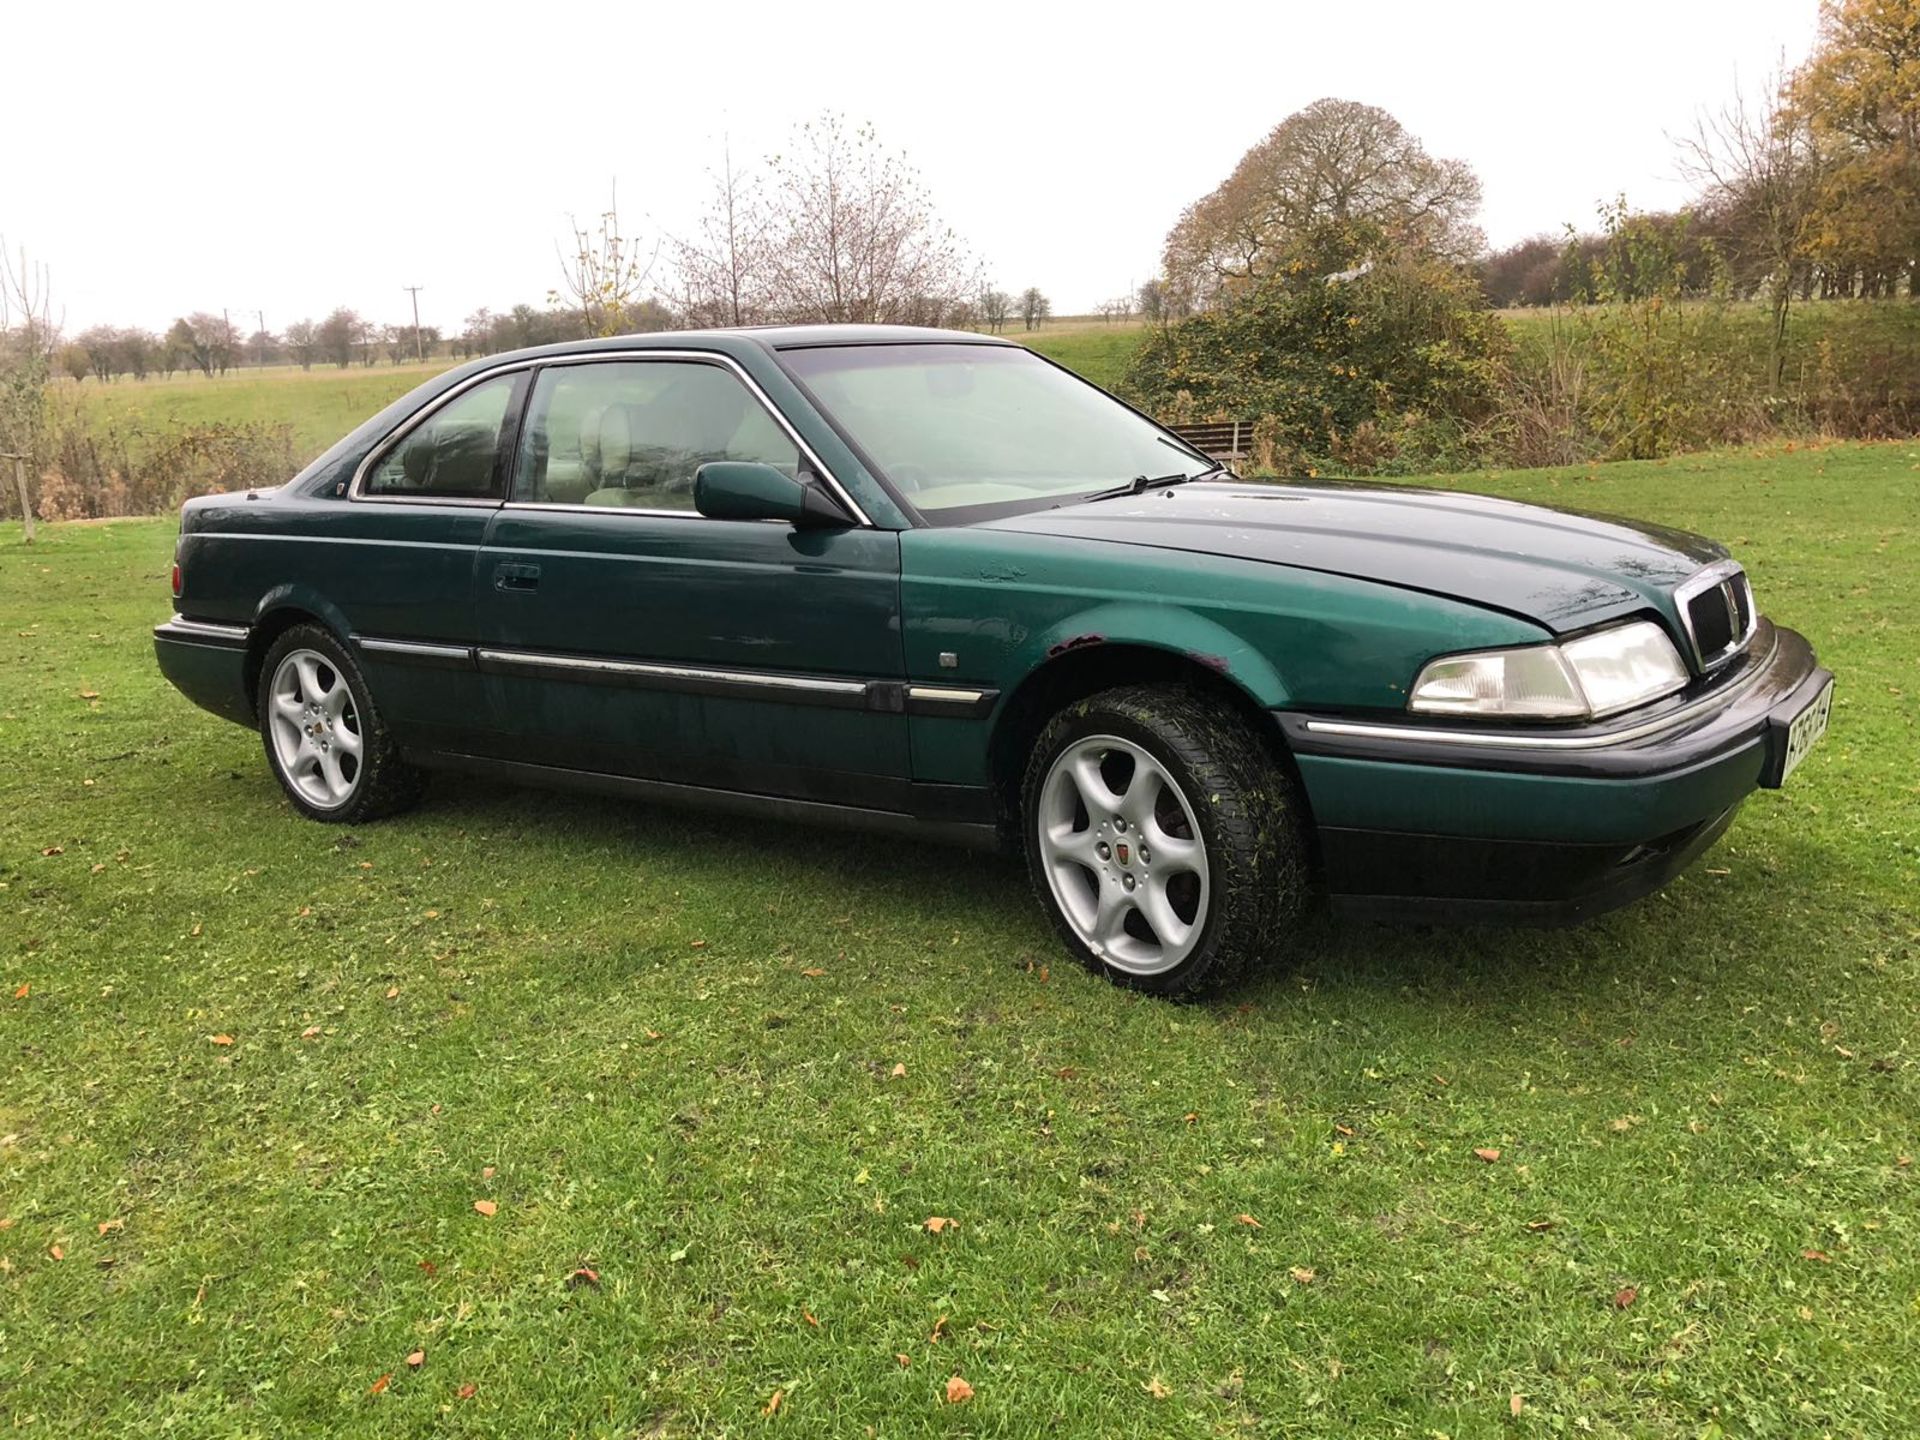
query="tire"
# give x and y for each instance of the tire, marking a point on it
(324, 738)
(1224, 817)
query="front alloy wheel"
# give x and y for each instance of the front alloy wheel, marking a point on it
(1123, 855)
(1163, 835)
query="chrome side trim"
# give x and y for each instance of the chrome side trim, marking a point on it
(672, 672)
(1507, 739)
(1721, 572)
(947, 694)
(355, 489)
(456, 657)
(202, 632)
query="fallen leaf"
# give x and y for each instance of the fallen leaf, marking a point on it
(899, 1072)
(1489, 1155)
(220, 1039)
(393, 992)
(773, 1401)
(1248, 1221)
(1903, 1161)
(433, 914)
(583, 1276)
(1820, 1255)
(416, 1359)
(653, 1035)
(107, 1227)
(701, 945)
(380, 1385)
(53, 850)
(1625, 1297)
(958, 1391)
(1302, 1274)
(196, 929)
(429, 1267)
(23, 991)
(1157, 1388)
(939, 1329)
(1043, 980)
(1067, 1072)
(1537, 1226)
(1191, 1116)
(485, 1207)
(89, 694)
(1516, 1404)
(486, 1172)
(465, 1392)
(934, 1224)
(8, 1222)
(100, 869)
(813, 972)
(56, 1252)
(1346, 1130)
(903, 1359)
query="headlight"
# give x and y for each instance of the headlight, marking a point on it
(1598, 674)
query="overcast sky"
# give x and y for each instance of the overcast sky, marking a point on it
(290, 158)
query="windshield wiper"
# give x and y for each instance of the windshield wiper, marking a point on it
(1142, 483)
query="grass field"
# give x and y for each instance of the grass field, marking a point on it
(258, 1075)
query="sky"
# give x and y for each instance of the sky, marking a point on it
(286, 158)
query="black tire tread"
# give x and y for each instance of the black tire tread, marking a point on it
(1257, 853)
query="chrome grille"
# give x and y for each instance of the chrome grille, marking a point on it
(1716, 606)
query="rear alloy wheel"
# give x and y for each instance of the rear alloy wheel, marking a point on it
(1162, 837)
(323, 736)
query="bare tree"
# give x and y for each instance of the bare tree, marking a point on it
(995, 306)
(28, 339)
(1762, 175)
(854, 236)
(604, 278)
(302, 340)
(1035, 308)
(723, 268)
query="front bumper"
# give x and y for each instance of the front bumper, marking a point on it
(1551, 825)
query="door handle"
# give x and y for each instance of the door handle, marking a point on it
(516, 577)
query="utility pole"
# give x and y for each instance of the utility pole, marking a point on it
(261, 315)
(414, 290)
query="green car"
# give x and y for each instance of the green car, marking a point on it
(930, 582)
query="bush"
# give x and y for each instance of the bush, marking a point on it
(99, 467)
(1391, 367)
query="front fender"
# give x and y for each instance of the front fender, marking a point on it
(1158, 626)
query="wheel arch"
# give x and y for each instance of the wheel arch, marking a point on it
(279, 610)
(1086, 660)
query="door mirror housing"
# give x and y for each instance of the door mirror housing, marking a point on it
(749, 490)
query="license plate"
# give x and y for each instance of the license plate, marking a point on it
(1805, 729)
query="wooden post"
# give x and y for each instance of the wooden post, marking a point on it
(20, 483)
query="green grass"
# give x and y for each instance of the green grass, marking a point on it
(318, 405)
(662, 1046)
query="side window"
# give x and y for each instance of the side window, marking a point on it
(454, 452)
(631, 433)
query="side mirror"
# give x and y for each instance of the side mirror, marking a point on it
(748, 490)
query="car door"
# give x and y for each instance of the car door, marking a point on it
(624, 633)
(398, 560)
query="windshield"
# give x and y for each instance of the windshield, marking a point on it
(968, 431)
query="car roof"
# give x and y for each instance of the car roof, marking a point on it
(775, 337)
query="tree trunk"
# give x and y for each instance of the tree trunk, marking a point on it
(26, 505)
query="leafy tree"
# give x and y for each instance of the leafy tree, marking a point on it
(336, 335)
(1860, 97)
(1384, 364)
(1336, 168)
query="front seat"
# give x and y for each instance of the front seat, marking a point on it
(606, 452)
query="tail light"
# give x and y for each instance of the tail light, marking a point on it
(176, 579)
